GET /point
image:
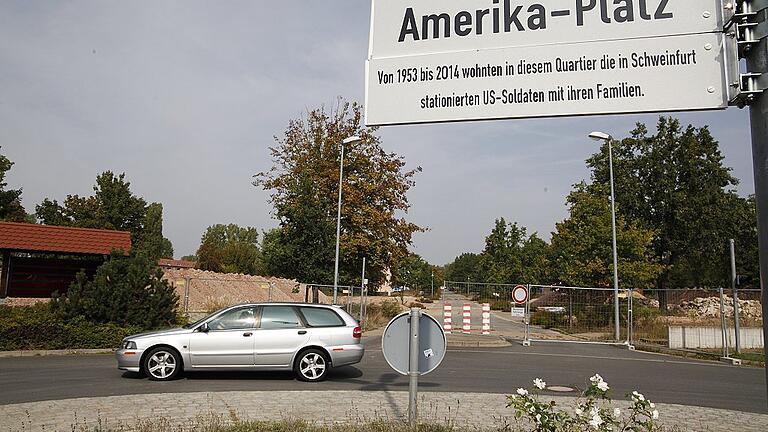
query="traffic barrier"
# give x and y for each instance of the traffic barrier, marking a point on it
(467, 321)
(486, 319)
(447, 318)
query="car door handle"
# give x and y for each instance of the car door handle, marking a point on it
(247, 334)
(302, 332)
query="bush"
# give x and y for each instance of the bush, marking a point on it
(35, 327)
(416, 305)
(549, 319)
(124, 291)
(501, 305)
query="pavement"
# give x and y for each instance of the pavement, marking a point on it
(474, 410)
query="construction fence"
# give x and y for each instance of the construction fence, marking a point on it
(701, 320)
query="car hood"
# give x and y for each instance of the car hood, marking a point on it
(166, 332)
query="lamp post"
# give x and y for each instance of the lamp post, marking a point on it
(349, 140)
(602, 136)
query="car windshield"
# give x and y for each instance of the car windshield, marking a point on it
(196, 323)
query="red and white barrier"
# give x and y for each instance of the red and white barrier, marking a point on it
(447, 318)
(467, 322)
(486, 319)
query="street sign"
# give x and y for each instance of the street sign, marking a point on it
(433, 61)
(520, 294)
(518, 312)
(431, 340)
(402, 28)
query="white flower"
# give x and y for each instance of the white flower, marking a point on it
(653, 405)
(522, 392)
(602, 385)
(579, 412)
(616, 412)
(596, 378)
(539, 384)
(538, 418)
(655, 414)
(594, 412)
(637, 396)
(596, 421)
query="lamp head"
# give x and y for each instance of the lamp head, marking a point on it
(351, 140)
(600, 136)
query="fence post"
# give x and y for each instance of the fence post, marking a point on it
(735, 298)
(527, 318)
(466, 318)
(486, 328)
(447, 318)
(630, 318)
(723, 327)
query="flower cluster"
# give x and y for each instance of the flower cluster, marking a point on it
(593, 412)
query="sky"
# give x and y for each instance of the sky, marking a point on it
(185, 97)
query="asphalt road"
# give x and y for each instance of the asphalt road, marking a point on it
(498, 370)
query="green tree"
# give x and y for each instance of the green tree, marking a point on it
(536, 261)
(582, 245)
(463, 268)
(112, 206)
(674, 183)
(413, 272)
(151, 237)
(10, 199)
(124, 291)
(502, 260)
(304, 184)
(230, 249)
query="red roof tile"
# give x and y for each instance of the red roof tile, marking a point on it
(59, 239)
(167, 262)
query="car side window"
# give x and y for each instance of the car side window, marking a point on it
(279, 317)
(241, 318)
(321, 317)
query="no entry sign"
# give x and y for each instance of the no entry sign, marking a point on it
(520, 294)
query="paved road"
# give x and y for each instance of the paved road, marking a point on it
(489, 370)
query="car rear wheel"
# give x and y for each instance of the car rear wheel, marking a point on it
(312, 365)
(162, 364)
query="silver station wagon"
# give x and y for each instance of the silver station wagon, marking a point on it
(306, 338)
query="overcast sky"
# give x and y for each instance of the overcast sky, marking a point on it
(186, 96)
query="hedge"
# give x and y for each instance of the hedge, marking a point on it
(35, 327)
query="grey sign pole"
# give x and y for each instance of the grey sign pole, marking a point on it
(362, 291)
(757, 62)
(735, 298)
(413, 368)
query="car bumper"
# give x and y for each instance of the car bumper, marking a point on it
(346, 355)
(129, 360)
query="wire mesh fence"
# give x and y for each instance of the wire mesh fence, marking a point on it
(702, 320)
(580, 313)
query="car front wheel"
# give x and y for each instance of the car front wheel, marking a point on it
(312, 365)
(162, 364)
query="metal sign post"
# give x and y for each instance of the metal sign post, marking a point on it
(413, 368)
(413, 344)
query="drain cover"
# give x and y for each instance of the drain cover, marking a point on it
(561, 389)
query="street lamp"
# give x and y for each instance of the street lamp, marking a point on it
(602, 136)
(350, 140)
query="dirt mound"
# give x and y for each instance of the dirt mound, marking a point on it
(709, 307)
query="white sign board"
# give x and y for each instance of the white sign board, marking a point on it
(518, 312)
(437, 60)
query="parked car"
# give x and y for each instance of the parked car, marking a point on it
(307, 338)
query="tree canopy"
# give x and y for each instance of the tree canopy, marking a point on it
(10, 199)
(674, 183)
(112, 206)
(582, 245)
(304, 183)
(230, 249)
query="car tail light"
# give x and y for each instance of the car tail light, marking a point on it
(357, 333)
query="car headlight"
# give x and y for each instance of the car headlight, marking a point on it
(129, 345)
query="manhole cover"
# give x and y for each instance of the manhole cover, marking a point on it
(561, 389)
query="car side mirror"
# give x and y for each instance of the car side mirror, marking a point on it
(203, 328)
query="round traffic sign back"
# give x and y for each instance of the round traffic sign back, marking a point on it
(396, 341)
(520, 294)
